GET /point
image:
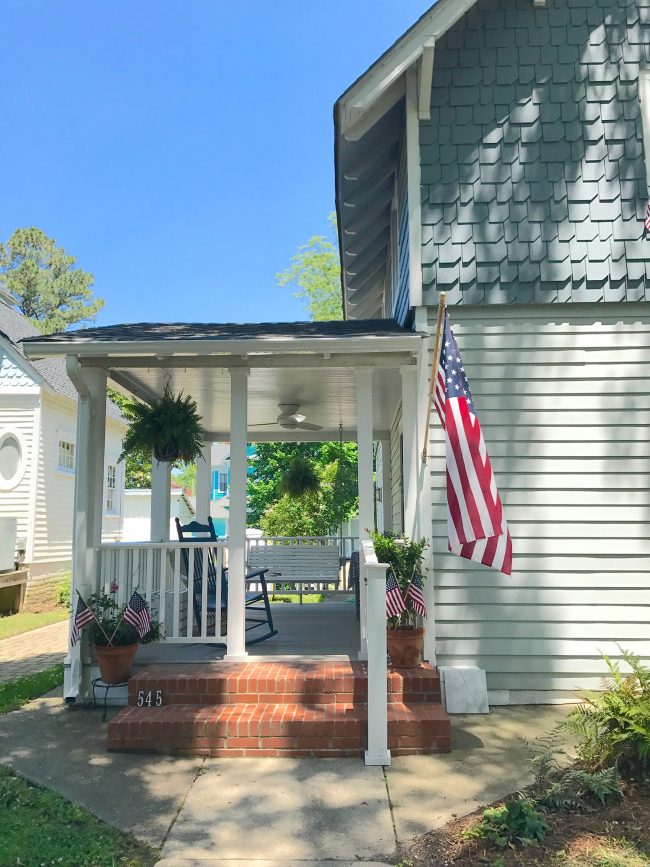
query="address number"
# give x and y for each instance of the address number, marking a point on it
(149, 698)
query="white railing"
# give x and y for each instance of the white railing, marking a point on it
(181, 581)
(373, 574)
(302, 564)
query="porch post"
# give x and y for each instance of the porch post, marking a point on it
(161, 483)
(365, 482)
(236, 641)
(411, 453)
(88, 507)
(387, 485)
(203, 483)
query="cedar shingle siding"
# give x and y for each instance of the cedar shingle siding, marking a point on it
(533, 174)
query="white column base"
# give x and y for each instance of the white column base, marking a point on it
(236, 657)
(382, 759)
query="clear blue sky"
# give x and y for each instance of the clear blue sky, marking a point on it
(181, 149)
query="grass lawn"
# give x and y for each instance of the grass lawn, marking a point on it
(308, 598)
(15, 624)
(16, 693)
(39, 827)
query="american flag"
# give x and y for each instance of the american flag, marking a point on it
(136, 614)
(414, 593)
(394, 599)
(646, 222)
(83, 616)
(476, 526)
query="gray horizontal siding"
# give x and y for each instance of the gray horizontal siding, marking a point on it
(533, 172)
(573, 471)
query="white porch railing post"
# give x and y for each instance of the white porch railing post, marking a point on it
(365, 482)
(161, 484)
(203, 484)
(374, 574)
(88, 504)
(236, 642)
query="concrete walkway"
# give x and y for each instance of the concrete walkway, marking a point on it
(271, 812)
(33, 651)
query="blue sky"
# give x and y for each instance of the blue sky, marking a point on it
(181, 150)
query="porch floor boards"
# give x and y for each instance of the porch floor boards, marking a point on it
(283, 708)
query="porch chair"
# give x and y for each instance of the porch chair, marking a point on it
(193, 532)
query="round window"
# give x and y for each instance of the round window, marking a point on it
(11, 460)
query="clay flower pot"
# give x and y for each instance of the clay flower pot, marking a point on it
(405, 647)
(115, 663)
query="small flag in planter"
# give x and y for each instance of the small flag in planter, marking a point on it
(83, 617)
(136, 614)
(394, 599)
(415, 594)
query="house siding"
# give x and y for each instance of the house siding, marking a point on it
(400, 296)
(19, 414)
(563, 396)
(397, 508)
(533, 172)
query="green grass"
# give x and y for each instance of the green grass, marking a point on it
(39, 827)
(16, 624)
(16, 693)
(308, 598)
(611, 853)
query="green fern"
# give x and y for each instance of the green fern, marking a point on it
(515, 822)
(301, 478)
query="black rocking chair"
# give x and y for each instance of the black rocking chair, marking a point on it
(193, 532)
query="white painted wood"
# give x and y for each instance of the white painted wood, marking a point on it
(237, 523)
(373, 574)
(160, 500)
(203, 484)
(425, 78)
(387, 485)
(411, 458)
(413, 187)
(364, 377)
(575, 481)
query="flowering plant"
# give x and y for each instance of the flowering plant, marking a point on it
(108, 627)
(404, 556)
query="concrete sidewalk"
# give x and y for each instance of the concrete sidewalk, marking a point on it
(271, 812)
(33, 651)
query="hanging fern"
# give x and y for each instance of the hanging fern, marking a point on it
(301, 478)
(170, 429)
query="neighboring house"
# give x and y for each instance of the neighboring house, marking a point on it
(137, 513)
(496, 152)
(38, 418)
(220, 487)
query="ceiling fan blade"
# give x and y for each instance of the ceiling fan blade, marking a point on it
(264, 424)
(305, 425)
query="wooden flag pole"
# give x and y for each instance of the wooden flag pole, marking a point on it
(434, 373)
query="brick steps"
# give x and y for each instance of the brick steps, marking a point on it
(276, 709)
(275, 730)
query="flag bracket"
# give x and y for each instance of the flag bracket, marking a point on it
(442, 298)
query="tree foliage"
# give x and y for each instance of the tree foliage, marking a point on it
(42, 280)
(186, 477)
(316, 272)
(137, 469)
(314, 513)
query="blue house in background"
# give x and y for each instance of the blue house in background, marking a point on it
(220, 493)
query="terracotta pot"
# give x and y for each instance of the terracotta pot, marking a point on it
(405, 647)
(115, 662)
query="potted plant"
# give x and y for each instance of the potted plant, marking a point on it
(404, 556)
(114, 640)
(169, 428)
(301, 478)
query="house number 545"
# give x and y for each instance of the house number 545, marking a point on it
(149, 698)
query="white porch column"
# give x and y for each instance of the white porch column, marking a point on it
(161, 483)
(410, 429)
(387, 485)
(88, 506)
(203, 483)
(236, 641)
(375, 574)
(366, 488)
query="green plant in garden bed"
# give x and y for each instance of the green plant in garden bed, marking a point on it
(404, 556)
(39, 827)
(16, 693)
(515, 822)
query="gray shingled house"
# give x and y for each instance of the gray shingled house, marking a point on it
(496, 152)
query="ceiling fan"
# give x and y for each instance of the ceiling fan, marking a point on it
(290, 419)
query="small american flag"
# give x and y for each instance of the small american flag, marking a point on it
(136, 614)
(415, 594)
(83, 616)
(476, 526)
(394, 599)
(646, 222)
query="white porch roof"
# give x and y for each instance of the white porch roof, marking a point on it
(310, 364)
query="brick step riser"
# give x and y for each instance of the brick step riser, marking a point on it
(309, 700)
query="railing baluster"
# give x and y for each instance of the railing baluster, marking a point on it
(204, 592)
(177, 590)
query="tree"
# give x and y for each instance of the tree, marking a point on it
(186, 478)
(137, 470)
(42, 280)
(316, 271)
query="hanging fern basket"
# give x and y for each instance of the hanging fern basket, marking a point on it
(169, 428)
(301, 478)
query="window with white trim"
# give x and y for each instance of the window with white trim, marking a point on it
(66, 455)
(111, 489)
(222, 483)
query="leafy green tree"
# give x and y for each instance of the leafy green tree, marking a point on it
(42, 280)
(295, 516)
(316, 272)
(137, 469)
(186, 477)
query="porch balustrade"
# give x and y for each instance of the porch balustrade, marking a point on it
(176, 579)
